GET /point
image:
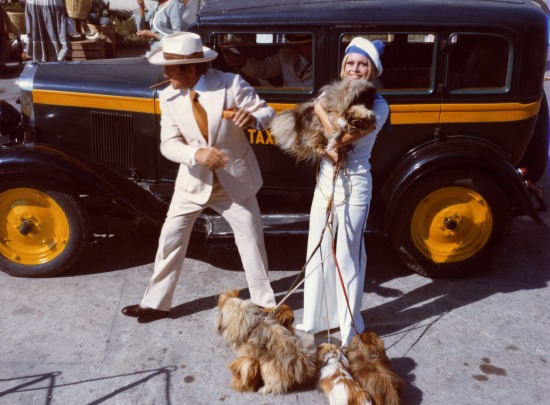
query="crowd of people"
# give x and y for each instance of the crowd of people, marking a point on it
(50, 28)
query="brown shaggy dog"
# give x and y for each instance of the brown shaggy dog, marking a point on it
(348, 104)
(263, 345)
(335, 378)
(370, 367)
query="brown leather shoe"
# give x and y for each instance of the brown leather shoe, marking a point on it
(138, 311)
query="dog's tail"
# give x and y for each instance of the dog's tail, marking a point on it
(246, 374)
(385, 387)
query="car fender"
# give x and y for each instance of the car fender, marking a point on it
(428, 159)
(79, 175)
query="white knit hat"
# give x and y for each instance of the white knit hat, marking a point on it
(372, 50)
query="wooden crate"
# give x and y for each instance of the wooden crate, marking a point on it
(89, 49)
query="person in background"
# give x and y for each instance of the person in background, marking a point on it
(47, 31)
(292, 62)
(189, 13)
(218, 168)
(345, 176)
(98, 14)
(162, 19)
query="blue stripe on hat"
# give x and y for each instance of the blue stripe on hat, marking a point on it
(356, 49)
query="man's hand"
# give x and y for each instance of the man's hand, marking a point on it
(211, 157)
(243, 119)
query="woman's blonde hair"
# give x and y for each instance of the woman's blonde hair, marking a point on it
(372, 69)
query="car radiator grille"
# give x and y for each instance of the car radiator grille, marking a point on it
(111, 133)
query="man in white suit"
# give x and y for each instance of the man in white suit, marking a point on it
(218, 168)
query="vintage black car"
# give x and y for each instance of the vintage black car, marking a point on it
(466, 145)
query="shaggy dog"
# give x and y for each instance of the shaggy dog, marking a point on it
(335, 379)
(370, 367)
(267, 351)
(348, 104)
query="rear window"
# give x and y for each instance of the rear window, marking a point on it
(478, 63)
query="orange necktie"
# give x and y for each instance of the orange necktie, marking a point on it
(200, 114)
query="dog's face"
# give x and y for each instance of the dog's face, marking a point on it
(358, 118)
(327, 351)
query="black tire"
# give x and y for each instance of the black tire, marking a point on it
(42, 233)
(535, 158)
(452, 224)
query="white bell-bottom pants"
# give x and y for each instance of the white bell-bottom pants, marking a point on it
(325, 303)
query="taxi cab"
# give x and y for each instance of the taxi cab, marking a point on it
(466, 144)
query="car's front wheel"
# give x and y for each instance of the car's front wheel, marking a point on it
(42, 233)
(451, 225)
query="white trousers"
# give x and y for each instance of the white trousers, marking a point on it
(245, 221)
(325, 303)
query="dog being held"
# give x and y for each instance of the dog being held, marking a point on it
(268, 352)
(370, 367)
(348, 104)
(335, 378)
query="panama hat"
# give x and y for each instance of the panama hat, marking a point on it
(181, 48)
(372, 50)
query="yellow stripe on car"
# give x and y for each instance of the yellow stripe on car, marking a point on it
(99, 101)
(401, 114)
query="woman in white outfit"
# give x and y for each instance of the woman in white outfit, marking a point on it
(325, 303)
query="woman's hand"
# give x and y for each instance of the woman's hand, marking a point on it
(349, 137)
(147, 34)
(337, 154)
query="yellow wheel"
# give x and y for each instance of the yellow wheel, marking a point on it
(42, 232)
(452, 224)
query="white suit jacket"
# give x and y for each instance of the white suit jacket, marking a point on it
(181, 137)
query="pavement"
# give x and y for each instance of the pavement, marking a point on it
(477, 341)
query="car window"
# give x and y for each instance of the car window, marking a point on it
(478, 63)
(408, 61)
(270, 61)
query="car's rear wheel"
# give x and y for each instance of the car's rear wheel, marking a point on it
(451, 225)
(42, 233)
